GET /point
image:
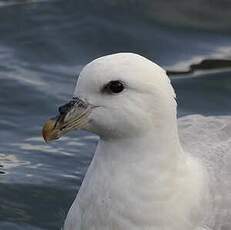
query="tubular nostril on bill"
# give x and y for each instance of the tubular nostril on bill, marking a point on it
(64, 108)
(67, 107)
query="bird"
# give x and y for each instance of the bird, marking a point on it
(140, 177)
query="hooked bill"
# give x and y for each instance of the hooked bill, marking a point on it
(50, 131)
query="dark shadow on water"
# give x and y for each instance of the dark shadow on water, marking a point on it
(206, 64)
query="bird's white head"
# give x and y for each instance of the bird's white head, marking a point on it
(117, 96)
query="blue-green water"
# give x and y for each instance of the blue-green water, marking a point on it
(43, 46)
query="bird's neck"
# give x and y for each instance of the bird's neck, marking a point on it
(158, 149)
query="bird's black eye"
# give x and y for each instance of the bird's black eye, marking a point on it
(114, 87)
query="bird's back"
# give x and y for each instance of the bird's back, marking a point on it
(209, 139)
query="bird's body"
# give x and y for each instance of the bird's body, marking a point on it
(148, 192)
(140, 177)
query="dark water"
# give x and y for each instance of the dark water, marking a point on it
(43, 46)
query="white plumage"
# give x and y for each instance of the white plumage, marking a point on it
(140, 178)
